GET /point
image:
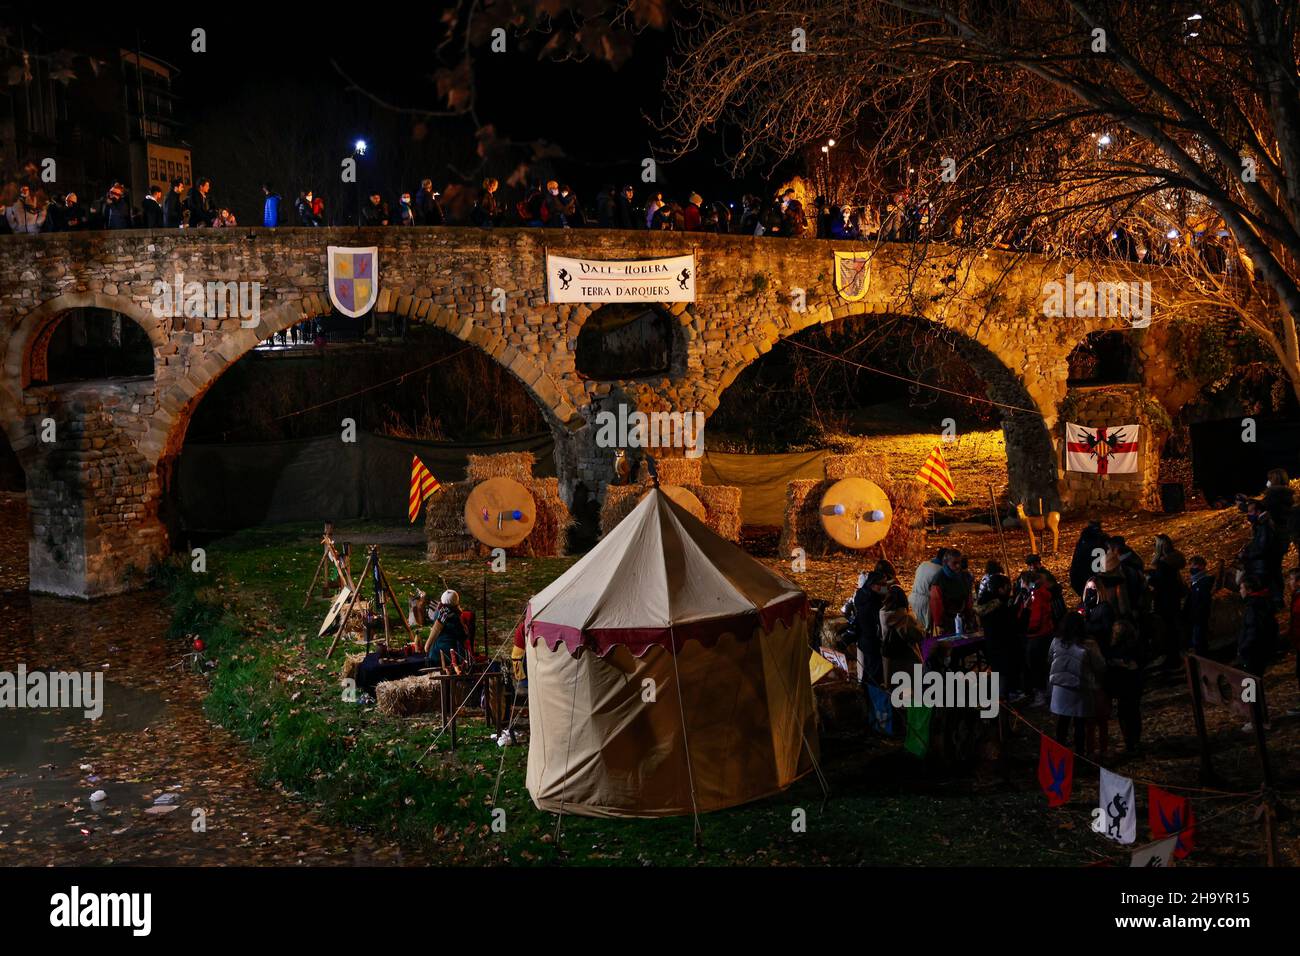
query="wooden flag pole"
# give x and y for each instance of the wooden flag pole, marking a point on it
(1002, 537)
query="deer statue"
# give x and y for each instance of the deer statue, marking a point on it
(1040, 523)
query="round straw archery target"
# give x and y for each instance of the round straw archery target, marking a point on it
(856, 513)
(500, 512)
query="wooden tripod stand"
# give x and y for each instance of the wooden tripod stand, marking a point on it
(329, 556)
(384, 595)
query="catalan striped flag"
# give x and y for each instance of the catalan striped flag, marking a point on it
(423, 484)
(935, 473)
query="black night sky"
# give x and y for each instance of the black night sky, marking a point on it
(264, 99)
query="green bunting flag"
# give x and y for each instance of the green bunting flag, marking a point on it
(918, 730)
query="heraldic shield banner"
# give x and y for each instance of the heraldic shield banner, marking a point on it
(353, 279)
(852, 274)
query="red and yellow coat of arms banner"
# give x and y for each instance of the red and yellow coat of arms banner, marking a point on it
(852, 274)
(353, 279)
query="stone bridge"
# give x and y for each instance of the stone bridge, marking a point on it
(99, 455)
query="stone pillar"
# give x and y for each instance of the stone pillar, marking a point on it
(92, 499)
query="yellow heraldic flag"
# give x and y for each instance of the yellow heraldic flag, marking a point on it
(423, 484)
(935, 473)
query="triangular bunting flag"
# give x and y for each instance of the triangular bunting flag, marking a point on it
(918, 730)
(1169, 814)
(1055, 770)
(1160, 853)
(423, 484)
(1116, 818)
(882, 712)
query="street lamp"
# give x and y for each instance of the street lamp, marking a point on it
(826, 151)
(358, 150)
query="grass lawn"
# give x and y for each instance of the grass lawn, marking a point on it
(273, 687)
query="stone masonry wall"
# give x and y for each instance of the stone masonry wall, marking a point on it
(1113, 405)
(746, 295)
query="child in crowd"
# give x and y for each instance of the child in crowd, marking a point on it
(1198, 604)
(1076, 669)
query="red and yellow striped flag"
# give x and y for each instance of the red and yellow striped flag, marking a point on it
(935, 473)
(423, 484)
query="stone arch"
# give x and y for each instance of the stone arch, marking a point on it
(33, 331)
(1031, 454)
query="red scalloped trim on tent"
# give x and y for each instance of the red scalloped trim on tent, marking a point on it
(638, 640)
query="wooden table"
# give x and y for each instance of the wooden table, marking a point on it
(492, 683)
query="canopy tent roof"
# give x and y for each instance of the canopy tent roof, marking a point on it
(660, 577)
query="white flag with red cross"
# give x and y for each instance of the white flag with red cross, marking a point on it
(1102, 451)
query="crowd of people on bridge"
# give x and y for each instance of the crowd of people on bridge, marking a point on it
(28, 205)
(1087, 655)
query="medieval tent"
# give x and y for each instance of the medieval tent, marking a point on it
(668, 674)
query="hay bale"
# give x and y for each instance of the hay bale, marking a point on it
(350, 664)
(406, 697)
(680, 471)
(618, 504)
(550, 534)
(515, 464)
(721, 508)
(905, 541)
(444, 523)
(802, 527)
(858, 465)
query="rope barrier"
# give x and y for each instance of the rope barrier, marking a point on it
(913, 381)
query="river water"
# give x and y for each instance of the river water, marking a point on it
(179, 789)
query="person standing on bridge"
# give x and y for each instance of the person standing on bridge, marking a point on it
(172, 205)
(199, 205)
(427, 208)
(303, 209)
(270, 207)
(152, 208)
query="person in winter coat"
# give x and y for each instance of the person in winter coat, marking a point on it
(1001, 637)
(1076, 667)
(302, 208)
(1099, 615)
(1085, 564)
(925, 576)
(374, 212)
(1124, 680)
(114, 210)
(427, 208)
(556, 209)
(405, 215)
(625, 216)
(1198, 604)
(152, 208)
(1034, 615)
(865, 607)
(1123, 560)
(1262, 555)
(900, 641)
(794, 223)
(1257, 641)
(1166, 583)
(691, 212)
(72, 214)
(25, 216)
(1279, 503)
(200, 206)
(486, 212)
(172, 205)
(270, 207)
(950, 594)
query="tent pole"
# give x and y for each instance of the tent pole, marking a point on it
(686, 743)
